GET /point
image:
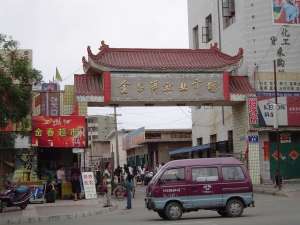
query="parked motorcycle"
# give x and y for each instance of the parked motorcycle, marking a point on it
(13, 195)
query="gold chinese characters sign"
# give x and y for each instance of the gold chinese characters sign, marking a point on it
(166, 87)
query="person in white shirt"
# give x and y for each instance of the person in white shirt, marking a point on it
(60, 174)
(142, 176)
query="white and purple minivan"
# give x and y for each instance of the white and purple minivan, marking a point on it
(219, 184)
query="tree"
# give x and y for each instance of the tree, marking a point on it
(16, 79)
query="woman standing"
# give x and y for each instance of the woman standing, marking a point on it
(142, 176)
(127, 179)
(107, 183)
(75, 174)
(135, 174)
(60, 174)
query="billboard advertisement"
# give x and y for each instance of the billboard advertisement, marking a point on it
(50, 103)
(133, 138)
(58, 131)
(288, 111)
(286, 12)
(49, 86)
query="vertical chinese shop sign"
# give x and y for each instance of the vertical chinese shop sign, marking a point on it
(59, 131)
(253, 113)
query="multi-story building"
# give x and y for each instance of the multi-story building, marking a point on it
(268, 31)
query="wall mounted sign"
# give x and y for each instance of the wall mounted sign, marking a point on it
(61, 131)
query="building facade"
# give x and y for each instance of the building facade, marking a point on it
(268, 31)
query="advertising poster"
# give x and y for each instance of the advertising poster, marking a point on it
(286, 12)
(50, 103)
(266, 151)
(26, 161)
(49, 86)
(288, 111)
(89, 185)
(59, 131)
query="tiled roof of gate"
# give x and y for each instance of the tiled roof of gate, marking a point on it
(88, 85)
(162, 59)
(240, 85)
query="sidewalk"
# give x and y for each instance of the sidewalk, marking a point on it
(290, 188)
(60, 210)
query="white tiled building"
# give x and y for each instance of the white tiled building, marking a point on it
(235, 24)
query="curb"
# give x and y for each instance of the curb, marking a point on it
(57, 217)
(270, 193)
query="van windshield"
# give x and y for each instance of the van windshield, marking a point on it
(153, 180)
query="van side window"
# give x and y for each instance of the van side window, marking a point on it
(173, 175)
(232, 173)
(205, 174)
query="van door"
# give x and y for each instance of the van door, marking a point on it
(205, 188)
(235, 183)
(173, 186)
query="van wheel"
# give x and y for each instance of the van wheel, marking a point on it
(222, 213)
(162, 215)
(173, 211)
(234, 208)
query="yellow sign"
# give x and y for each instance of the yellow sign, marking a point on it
(66, 188)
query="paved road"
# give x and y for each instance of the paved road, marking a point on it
(275, 210)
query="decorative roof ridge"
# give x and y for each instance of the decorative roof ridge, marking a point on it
(85, 63)
(213, 48)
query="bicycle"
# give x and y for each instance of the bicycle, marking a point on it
(119, 192)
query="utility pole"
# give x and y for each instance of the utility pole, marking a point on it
(116, 134)
(276, 125)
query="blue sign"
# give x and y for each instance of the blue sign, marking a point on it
(49, 86)
(253, 139)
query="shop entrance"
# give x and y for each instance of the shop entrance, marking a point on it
(289, 155)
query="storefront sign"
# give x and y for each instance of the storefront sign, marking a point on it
(78, 150)
(253, 113)
(288, 84)
(89, 185)
(50, 103)
(288, 111)
(61, 131)
(285, 138)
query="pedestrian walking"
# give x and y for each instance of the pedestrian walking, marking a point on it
(128, 180)
(142, 176)
(60, 174)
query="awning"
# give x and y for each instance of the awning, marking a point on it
(191, 149)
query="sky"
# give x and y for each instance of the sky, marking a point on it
(59, 31)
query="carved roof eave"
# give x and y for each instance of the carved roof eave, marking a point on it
(100, 68)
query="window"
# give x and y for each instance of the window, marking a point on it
(232, 173)
(196, 37)
(95, 137)
(228, 9)
(205, 174)
(207, 30)
(173, 175)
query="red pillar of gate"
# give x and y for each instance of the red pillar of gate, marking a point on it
(226, 86)
(107, 86)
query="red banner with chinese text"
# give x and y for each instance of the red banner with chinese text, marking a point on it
(266, 150)
(58, 131)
